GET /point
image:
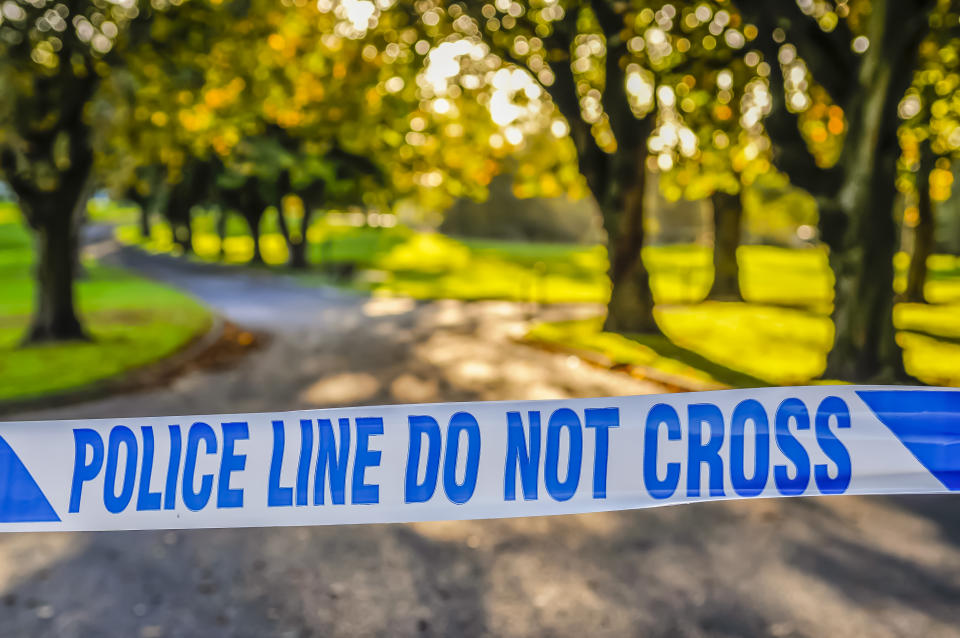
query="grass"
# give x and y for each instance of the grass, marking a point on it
(132, 322)
(751, 345)
(428, 265)
(780, 336)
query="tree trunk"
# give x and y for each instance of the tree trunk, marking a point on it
(54, 316)
(923, 232)
(55, 217)
(727, 216)
(183, 236)
(282, 225)
(144, 221)
(856, 195)
(298, 249)
(622, 203)
(630, 308)
(617, 179)
(865, 346)
(222, 220)
(253, 221)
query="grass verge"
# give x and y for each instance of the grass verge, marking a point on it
(750, 345)
(780, 337)
(132, 322)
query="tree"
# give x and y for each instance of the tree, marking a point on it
(52, 58)
(280, 98)
(723, 106)
(144, 190)
(602, 64)
(860, 57)
(929, 139)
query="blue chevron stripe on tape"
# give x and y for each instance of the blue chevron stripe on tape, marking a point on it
(927, 423)
(21, 500)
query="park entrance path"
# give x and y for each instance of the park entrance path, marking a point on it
(840, 566)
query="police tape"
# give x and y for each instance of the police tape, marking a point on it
(446, 461)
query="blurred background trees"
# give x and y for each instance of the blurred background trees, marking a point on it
(522, 120)
(53, 57)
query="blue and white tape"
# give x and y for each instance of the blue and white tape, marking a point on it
(476, 460)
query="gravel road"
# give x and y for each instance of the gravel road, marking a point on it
(839, 566)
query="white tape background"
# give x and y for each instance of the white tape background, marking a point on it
(880, 461)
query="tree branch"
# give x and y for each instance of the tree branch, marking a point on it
(590, 157)
(614, 96)
(827, 54)
(563, 91)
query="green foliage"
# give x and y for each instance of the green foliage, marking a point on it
(53, 56)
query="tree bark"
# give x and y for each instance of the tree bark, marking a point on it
(183, 236)
(282, 224)
(298, 249)
(46, 157)
(630, 308)
(865, 345)
(311, 196)
(253, 221)
(923, 232)
(727, 216)
(55, 317)
(617, 179)
(222, 219)
(55, 217)
(856, 195)
(144, 221)
(177, 212)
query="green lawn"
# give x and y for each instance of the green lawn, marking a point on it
(749, 345)
(428, 265)
(780, 337)
(133, 321)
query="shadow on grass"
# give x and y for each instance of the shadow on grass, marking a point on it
(667, 349)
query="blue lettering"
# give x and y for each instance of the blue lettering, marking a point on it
(791, 448)
(522, 458)
(700, 452)
(749, 410)
(111, 500)
(278, 496)
(173, 469)
(602, 419)
(832, 447)
(197, 500)
(560, 419)
(419, 426)
(460, 493)
(230, 463)
(660, 414)
(84, 470)
(333, 460)
(147, 500)
(303, 467)
(364, 493)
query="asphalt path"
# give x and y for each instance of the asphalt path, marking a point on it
(837, 566)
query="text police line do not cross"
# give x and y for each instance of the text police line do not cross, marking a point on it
(540, 449)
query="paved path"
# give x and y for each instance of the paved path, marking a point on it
(804, 567)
